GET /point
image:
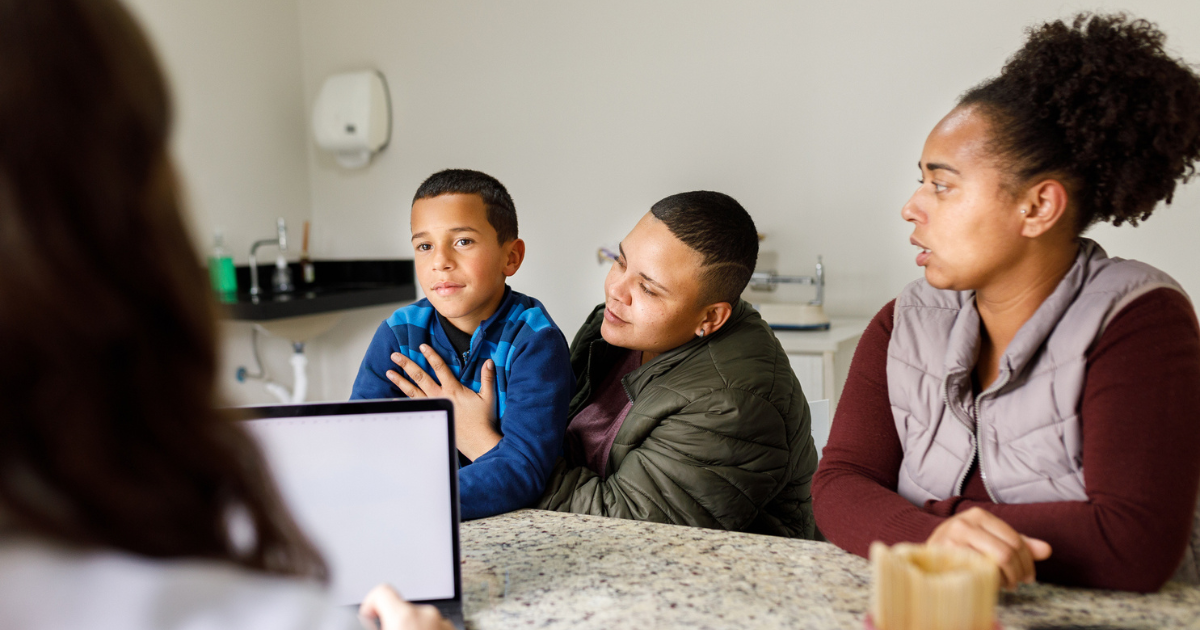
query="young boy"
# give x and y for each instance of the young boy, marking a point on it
(485, 335)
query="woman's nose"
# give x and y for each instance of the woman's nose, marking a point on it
(911, 212)
(614, 286)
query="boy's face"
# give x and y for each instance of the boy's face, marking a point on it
(459, 262)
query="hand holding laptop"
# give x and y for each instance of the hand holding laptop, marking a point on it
(374, 486)
(386, 606)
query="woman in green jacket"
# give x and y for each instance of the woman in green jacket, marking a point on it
(686, 409)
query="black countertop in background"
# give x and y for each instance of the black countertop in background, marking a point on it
(339, 285)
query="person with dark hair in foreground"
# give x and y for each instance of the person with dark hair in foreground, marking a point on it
(120, 484)
(1031, 397)
(687, 410)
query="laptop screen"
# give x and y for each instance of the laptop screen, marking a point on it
(372, 484)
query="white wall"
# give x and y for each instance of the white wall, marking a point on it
(240, 131)
(811, 114)
(240, 134)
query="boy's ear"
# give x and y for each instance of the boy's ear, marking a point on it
(514, 255)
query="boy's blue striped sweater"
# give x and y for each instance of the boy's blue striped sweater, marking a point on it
(534, 384)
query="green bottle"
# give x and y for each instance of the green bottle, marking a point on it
(220, 271)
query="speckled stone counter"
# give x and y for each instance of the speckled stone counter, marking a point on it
(537, 569)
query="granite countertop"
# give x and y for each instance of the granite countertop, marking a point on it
(538, 569)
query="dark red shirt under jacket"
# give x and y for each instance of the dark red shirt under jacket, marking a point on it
(1140, 418)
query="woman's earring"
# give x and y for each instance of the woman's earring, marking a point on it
(701, 335)
(1022, 211)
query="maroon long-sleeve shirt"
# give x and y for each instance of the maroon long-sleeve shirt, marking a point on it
(1140, 418)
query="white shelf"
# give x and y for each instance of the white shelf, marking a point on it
(840, 331)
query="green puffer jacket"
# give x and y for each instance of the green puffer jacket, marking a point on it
(718, 435)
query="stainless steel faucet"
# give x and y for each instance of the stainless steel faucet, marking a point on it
(768, 280)
(280, 240)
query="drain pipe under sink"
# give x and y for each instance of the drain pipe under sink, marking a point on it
(299, 363)
(299, 389)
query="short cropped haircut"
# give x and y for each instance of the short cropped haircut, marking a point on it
(720, 229)
(501, 213)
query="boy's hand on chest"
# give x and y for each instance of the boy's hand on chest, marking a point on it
(474, 413)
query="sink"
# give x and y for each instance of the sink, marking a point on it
(300, 329)
(340, 285)
(313, 308)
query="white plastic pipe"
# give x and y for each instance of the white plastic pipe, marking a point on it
(299, 374)
(278, 391)
(299, 389)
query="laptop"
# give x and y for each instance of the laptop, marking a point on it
(374, 484)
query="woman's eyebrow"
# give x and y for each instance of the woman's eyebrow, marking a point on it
(655, 283)
(935, 166)
(621, 248)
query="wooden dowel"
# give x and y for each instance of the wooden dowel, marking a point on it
(923, 587)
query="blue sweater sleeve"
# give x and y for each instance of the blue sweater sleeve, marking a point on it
(513, 474)
(372, 381)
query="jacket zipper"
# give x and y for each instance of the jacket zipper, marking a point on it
(465, 376)
(462, 366)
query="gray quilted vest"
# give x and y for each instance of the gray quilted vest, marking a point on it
(1025, 427)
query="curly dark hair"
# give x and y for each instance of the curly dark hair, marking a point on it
(1100, 105)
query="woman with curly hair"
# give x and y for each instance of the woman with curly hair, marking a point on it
(1031, 397)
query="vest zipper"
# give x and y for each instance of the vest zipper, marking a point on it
(974, 446)
(1000, 381)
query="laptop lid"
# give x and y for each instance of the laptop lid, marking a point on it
(374, 484)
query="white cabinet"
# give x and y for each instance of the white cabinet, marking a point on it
(821, 361)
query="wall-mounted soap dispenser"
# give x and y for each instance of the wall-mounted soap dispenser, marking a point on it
(352, 117)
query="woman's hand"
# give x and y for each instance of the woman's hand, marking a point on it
(984, 532)
(386, 605)
(474, 414)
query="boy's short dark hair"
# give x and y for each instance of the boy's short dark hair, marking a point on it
(501, 213)
(722, 231)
